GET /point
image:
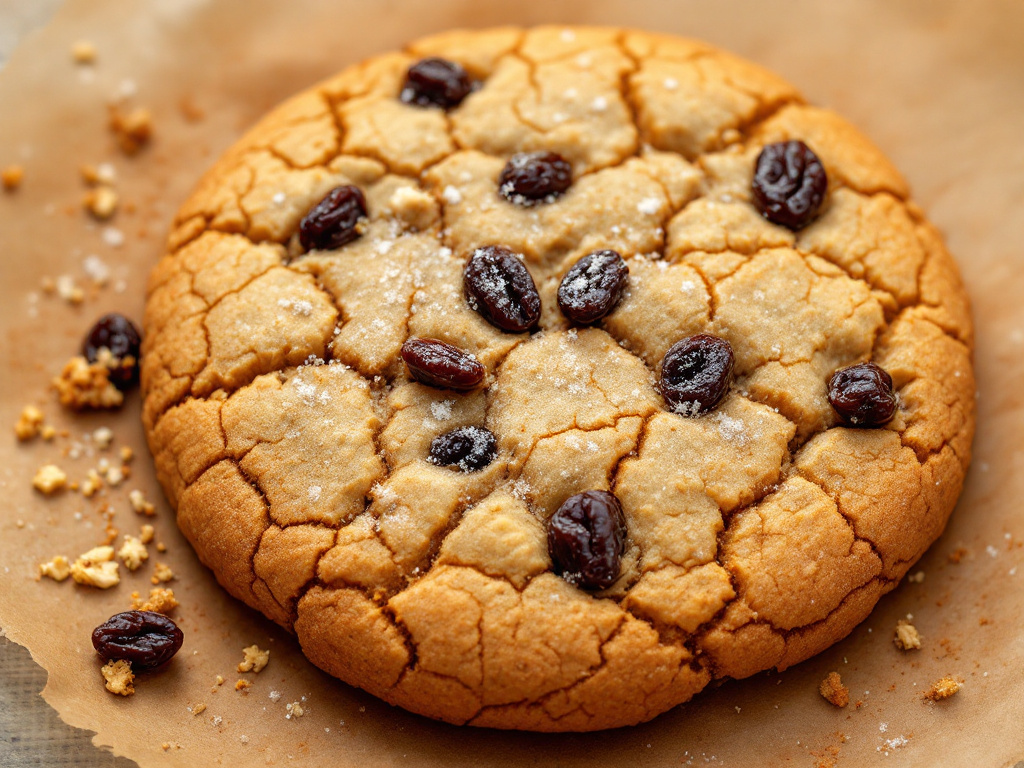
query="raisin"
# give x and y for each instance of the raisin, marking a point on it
(468, 448)
(121, 338)
(533, 177)
(334, 220)
(440, 364)
(696, 373)
(142, 638)
(862, 395)
(593, 286)
(500, 288)
(789, 184)
(586, 538)
(436, 82)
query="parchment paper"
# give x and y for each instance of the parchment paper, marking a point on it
(938, 84)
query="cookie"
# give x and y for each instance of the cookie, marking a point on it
(537, 379)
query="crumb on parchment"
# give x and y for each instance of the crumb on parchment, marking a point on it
(57, 569)
(119, 677)
(29, 423)
(161, 573)
(101, 202)
(83, 52)
(907, 637)
(833, 690)
(254, 659)
(140, 504)
(160, 600)
(943, 688)
(294, 710)
(147, 533)
(49, 479)
(96, 568)
(133, 553)
(82, 384)
(11, 177)
(242, 685)
(133, 130)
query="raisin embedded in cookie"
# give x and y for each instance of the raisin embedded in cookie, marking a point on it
(535, 380)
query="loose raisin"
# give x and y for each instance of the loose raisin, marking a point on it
(789, 184)
(468, 448)
(119, 336)
(500, 288)
(436, 82)
(586, 539)
(862, 395)
(440, 364)
(696, 373)
(592, 287)
(533, 177)
(142, 638)
(334, 220)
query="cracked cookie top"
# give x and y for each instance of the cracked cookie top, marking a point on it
(367, 405)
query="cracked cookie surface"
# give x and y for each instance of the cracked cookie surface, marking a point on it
(295, 447)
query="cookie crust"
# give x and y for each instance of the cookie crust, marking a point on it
(291, 442)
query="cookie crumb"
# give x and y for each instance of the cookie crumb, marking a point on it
(133, 552)
(133, 130)
(49, 479)
(916, 578)
(255, 659)
(140, 504)
(907, 637)
(57, 569)
(68, 290)
(103, 437)
(146, 534)
(161, 573)
(101, 202)
(91, 484)
(833, 690)
(160, 600)
(29, 423)
(242, 684)
(295, 710)
(957, 555)
(198, 709)
(943, 688)
(82, 385)
(219, 680)
(83, 52)
(118, 676)
(96, 568)
(11, 177)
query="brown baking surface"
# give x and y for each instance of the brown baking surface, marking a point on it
(938, 84)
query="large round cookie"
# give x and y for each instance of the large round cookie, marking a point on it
(293, 443)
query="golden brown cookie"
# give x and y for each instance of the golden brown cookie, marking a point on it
(401, 529)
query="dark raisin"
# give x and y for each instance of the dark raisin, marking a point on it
(440, 364)
(862, 395)
(436, 83)
(500, 288)
(334, 220)
(532, 177)
(789, 184)
(696, 373)
(593, 286)
(119, 336)
(586, 538)
(142, 638)
(468, 448)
